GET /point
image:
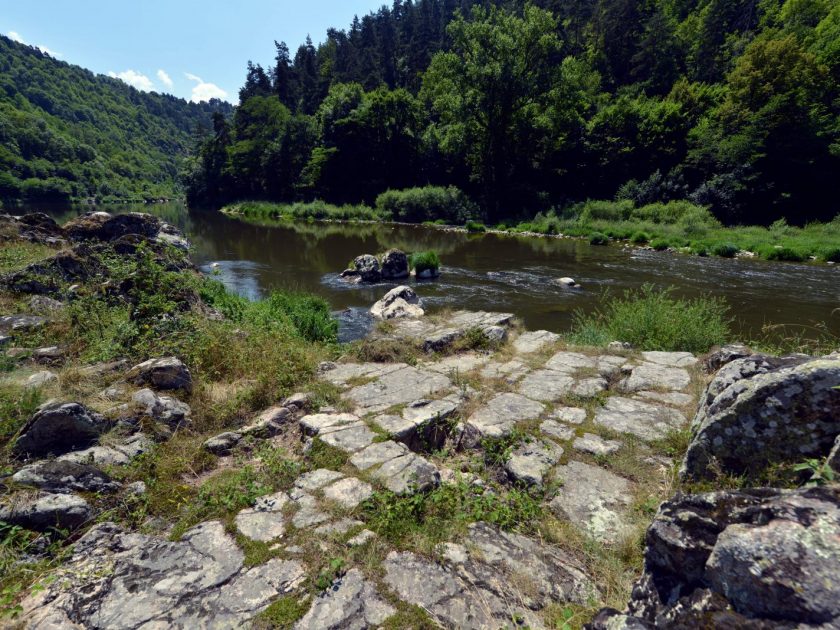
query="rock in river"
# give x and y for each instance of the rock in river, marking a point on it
(401, 301)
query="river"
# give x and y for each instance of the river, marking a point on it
(492, 272)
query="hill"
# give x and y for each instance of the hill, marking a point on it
(66, 132)
(531, 106)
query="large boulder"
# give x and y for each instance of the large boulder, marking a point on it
(401, 301)
(47, 511)
(394, 265)
(163, 373)
(60, 428)
(784, 410)
(750, 559)
(367, 268)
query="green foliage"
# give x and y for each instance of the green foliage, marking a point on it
(782, 253)
(597, 238)
(282, 613)
(660, 244)
(819, 472)
(313, 211)
(16, 407)
(640, 238)
(415, 205)
(725, 250)
(322, 455)
(652, 319)
(67, 133)
(475, 227)
(422, 261)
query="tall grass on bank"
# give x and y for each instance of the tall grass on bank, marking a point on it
(686, 226)
(653, 319)
(310, 211)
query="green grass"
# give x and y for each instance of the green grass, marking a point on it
(282, 614)
(653, 319)
(421, 261)
(474, 227)
(314, 211)
(14, 256)
(596, 238)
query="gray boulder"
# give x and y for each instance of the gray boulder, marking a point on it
(367, 268)
(65, 476)
(775, 415)
(223, 443)
(170, 411)
(350, 603)
(60, 428)
(750, 559)
(21, 323)
(401, 301)
(394, 265)
(60, 511)
(163, 373)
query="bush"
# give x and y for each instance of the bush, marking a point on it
(596, 238)
(428, 203)
(315, 210)
(606, 211)
(660, 244)
(652, 319)
(830, 254)
(725, 250)
(474, 227)
(421, 261)
(699, 249)
(782, 253)
(640, 238)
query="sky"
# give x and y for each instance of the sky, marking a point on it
(194, 49)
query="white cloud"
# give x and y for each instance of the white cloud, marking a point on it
(165, 78)
(134, 79)
(16, 37)
(203, 91)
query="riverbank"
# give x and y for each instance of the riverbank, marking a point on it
(677, 226)
(455, 470)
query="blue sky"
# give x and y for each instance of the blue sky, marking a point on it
(194, 49)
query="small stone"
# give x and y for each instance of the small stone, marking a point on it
(268, 423)
(619, 346)
(223, 443)
(570, 415)
(41, 379)
(362, 538)
(531, 461)
(596, 445)
(348, 492)
(265, 521)
(317, 479)
(136, 488)
(165, 409)
(557, 430)
(533, 341)
(164, 373)
(299, 401)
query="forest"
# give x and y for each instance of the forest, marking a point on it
(66, 133)
(537, 106)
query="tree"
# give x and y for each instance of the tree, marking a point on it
(283, 77)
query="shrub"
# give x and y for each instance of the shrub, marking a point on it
(699, 249)
(660, 244)
(725, 250)
(653, 319)
(426, 204)
(640, 238)
(474, 227)
(596, 238)
(421, 261)
(830, 254)
(606, 211)
(782, 253)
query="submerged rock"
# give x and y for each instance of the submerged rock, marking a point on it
(740, 559)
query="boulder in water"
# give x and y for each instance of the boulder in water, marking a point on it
(394, 265)
(399, 302)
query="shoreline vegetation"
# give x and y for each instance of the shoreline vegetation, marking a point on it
(678, 226)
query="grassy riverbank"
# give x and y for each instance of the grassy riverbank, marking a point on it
(676, 226)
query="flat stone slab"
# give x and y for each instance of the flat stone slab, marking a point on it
(570, 362)
(596, 445)
(309, 512)
(377, 454)
(589, 387)
(341, 373)
(399, 387)
(547, 385)
(458, 363)
(644, 420)
(438, 336)
(352, 602)
(533, 341)
(531, 461)
(655, 376)
(677, 399)
(492, 578)
(199, 581)
(265, 521)
(317, 479)
(501, 413)
(350, 439)
(348, 492)
(417, 415)
(673, 359)
(557, 430)
(511, 371)
(594, 499)
(569, 415)
(407, 474)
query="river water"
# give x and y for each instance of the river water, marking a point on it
(492, 272)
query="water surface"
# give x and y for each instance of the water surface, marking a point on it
(494, 272)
